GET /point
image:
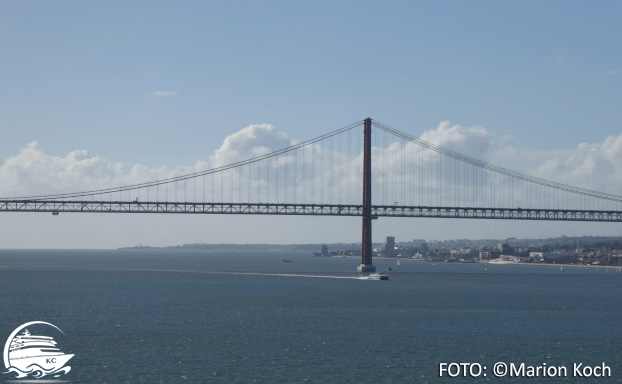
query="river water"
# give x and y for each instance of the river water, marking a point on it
(198, 317)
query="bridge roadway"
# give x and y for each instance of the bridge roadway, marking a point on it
(58, 206)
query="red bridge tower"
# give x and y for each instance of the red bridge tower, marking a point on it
(366, 251)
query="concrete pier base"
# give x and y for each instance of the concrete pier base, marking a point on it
(366, 268)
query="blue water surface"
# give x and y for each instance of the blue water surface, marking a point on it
(174, 316)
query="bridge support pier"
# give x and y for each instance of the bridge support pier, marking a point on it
(366, 250)
(366, 268)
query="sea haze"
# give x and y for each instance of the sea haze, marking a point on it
(174, 316)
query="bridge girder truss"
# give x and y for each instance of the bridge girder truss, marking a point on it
(58, 206)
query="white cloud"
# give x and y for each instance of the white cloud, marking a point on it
(252, 141)
(32, 172)
(165, 93)
(472, 141)
(612, 72)
(595, 166)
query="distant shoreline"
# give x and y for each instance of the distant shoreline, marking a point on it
(555, 265)
(498, 263)
(515, 263)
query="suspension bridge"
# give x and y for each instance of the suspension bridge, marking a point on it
(328, 175)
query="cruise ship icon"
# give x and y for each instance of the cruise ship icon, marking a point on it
(27, 351)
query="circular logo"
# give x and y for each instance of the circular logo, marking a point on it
(34, 355)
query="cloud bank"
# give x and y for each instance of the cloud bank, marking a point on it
(472, 141)
(252, 141)
(596, 166)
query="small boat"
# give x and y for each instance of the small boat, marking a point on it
(378, 276)
(390, 269)
(287, 261)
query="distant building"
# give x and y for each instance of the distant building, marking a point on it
(324, 252)
(389, 247)
(507, 258)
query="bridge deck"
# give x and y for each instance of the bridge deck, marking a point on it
(58, 206)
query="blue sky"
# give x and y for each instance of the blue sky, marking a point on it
(543, 76)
